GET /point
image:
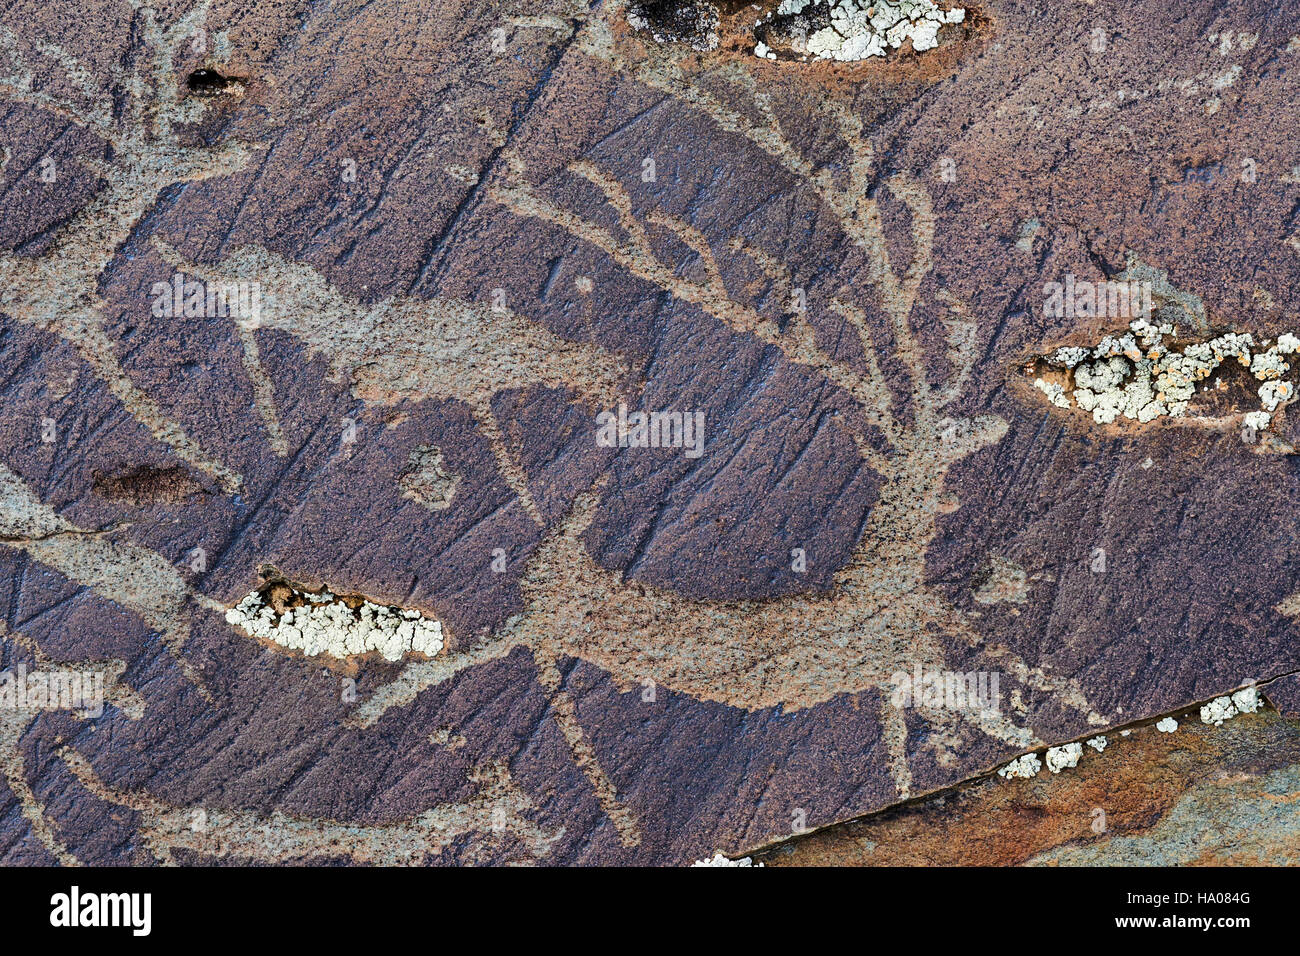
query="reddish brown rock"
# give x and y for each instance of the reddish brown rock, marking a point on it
(460, 244)
(1200, 796)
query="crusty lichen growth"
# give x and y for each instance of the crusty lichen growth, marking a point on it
(1022, 767)
(718, 859)
(1245, 701)
(851, 30)
(1139, 375)
(1063, 757)
(321, 623)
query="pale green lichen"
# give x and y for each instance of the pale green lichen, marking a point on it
(1054, 392)
(718, 859)
(1138, 375)
(1245, 701)
(1063, 757)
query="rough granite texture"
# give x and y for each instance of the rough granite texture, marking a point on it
(473, 227)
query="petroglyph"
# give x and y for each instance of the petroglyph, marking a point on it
(57, 291)
(122, 571)
(15, 721)
(1289, 605)
(404, 348)
(1006, 581)
(426, 481)
(421, 675)
(407, 348)
(263, 392)
(879, 617)
(495, 815)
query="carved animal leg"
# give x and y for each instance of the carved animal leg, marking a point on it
(894, 731)
(566, 716)
(506, 464)
(421, 675)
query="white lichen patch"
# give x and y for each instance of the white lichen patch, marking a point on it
(321, 623)
(852, 30)
(1245, 701)
(1217, 711)
(1063, 757)
(1167, 726)
(719, 860)
(1022, 767)
(1098, 743)
(1055, 393)
(1139, 375)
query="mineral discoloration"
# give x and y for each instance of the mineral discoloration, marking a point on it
(1205, 796)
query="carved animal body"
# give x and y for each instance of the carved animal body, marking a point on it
(793, 652)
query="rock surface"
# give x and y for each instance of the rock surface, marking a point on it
(1201, 796)
(473, 228)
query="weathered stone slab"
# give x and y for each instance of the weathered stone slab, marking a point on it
(1199, 796)
(472, 229)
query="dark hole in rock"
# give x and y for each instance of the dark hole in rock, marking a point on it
(694, 22)
(146, 485)
(210, 83)
(788, 34)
